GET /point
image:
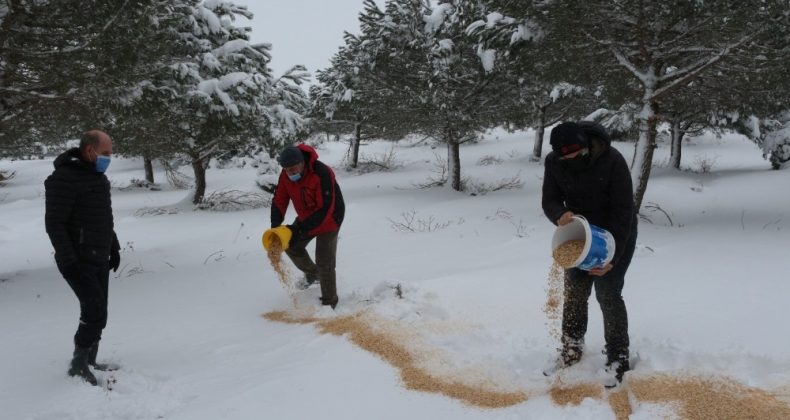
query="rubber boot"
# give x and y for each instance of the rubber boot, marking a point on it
(79, 365)
(94, 350)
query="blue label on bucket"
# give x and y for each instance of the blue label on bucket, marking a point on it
(601, 249)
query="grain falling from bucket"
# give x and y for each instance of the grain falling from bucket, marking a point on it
(275, 253)
(554, 294)
(564, 257)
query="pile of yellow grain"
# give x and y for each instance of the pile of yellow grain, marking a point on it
(391, 344)
(567, 253)
(701, 398)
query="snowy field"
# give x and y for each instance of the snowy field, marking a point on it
(706, 293)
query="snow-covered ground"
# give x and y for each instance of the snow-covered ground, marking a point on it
(706, 294)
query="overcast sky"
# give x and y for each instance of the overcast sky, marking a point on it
(304, 32)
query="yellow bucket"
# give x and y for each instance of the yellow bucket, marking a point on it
(281, 232)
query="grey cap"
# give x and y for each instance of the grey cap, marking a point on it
(290, 156)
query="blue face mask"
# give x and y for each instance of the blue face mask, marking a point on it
(102, 162)
(295, 178)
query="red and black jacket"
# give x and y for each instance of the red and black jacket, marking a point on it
(316, 197)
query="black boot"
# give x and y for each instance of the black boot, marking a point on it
(569, 356)
(332, 302)
(94, 350)
(616, 367)
(79, 365)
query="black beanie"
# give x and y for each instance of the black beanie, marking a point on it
(567, 138)
(290, 156)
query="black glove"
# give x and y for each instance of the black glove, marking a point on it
(71, 271)
(295, 232)
(115, 260)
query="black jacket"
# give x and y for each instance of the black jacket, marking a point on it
(602, 192)
(78, 215)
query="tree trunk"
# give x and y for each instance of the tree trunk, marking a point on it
(540, 130)
(199, 167)
(677, 141)
(643, 152)
(355, 147)
(453, 161)
(149, 169)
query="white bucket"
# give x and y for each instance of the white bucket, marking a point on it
(599, 244)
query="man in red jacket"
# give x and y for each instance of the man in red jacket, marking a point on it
(311, 186)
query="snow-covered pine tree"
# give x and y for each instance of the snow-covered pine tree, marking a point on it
(659, 46)
(340, 100)
(348, 99)
(60, 62)
(217, 94)
(543, 94)
(433, 77)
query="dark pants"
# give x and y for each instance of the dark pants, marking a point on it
(608, 291)
(91, 289)
(323, 268)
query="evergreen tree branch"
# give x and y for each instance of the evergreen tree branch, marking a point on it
(84, 45)
(691, 71)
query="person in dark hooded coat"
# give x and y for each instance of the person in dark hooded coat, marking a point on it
(585, 176)
(79, 223)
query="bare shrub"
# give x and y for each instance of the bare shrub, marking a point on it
(178, 180)
(522, 230)
(5, 176)
(141, 184)
(233, 200)
(131, 269)
(703, 164)
(483, 188)
(440, 171)
(381, 162)
(653, 208)
(156, 211)
(489, 160)
(411, 223)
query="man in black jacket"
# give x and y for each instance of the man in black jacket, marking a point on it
(584, 175)
(79, 223)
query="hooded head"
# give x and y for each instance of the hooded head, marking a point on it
(290, 156)
(567, 138)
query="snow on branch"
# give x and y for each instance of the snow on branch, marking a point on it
(625, 62)
(687, 73)
(437, 17)
(86, 43)
(30, 93)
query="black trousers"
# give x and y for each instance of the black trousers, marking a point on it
(608, 292)
(323, 268)
(91, 289)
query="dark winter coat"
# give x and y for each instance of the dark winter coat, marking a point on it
(78, 215)
(602, 192)
(316, 197)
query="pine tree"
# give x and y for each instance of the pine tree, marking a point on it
(60, 63)
(347, 99)
(546, 93)
(429, 74)
(216, 94)
(659, 47)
